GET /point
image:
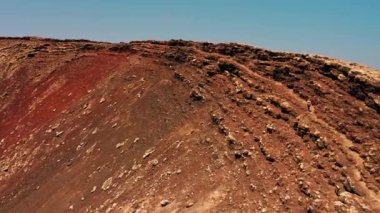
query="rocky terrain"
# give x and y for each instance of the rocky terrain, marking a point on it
(182, 126)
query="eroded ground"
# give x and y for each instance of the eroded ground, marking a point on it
(184, 127)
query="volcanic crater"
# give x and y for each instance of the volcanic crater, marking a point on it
(182, 126)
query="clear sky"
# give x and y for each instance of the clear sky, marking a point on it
(346, 29)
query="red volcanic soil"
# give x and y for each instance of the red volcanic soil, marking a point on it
(182, 126)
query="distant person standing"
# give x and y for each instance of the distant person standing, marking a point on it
(308, 105)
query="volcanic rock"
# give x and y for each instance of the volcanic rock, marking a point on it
(169, 125)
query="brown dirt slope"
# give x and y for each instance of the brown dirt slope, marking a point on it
(182, 126)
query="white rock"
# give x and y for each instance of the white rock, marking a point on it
(107, 184)
(93, 189)
(148, 152)
(164, 203)
(119, 145)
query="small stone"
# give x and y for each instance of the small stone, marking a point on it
(196, 96)
(341, 77)
(136, 166)
(246, 153)
(310, 209)
(320, 143)
(339, 205)
(102, 100)
(71, 207)
(148, 152)
(107, 184)
(164, 203)
(269, 158)
(119, 145)
(94, 131)
(6, 168)
(58, 133)
(270, 128)
(247, 95)
(216, 119)
(285, 107)
(349, 187)
(93, 189)
(189, 204)
(237, 155)
(268, 110)
(377, 179)
(231, 139)
(153, 162)
(179, 76)
(259, 101)
(223, 129)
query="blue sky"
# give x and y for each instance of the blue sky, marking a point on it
(346, 29)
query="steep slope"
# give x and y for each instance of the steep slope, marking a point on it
(184, 126)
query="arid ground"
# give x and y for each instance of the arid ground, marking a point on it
(182, 126)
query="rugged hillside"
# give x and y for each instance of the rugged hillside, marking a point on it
(182, 126)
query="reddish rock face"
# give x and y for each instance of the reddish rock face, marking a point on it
(184, 126)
